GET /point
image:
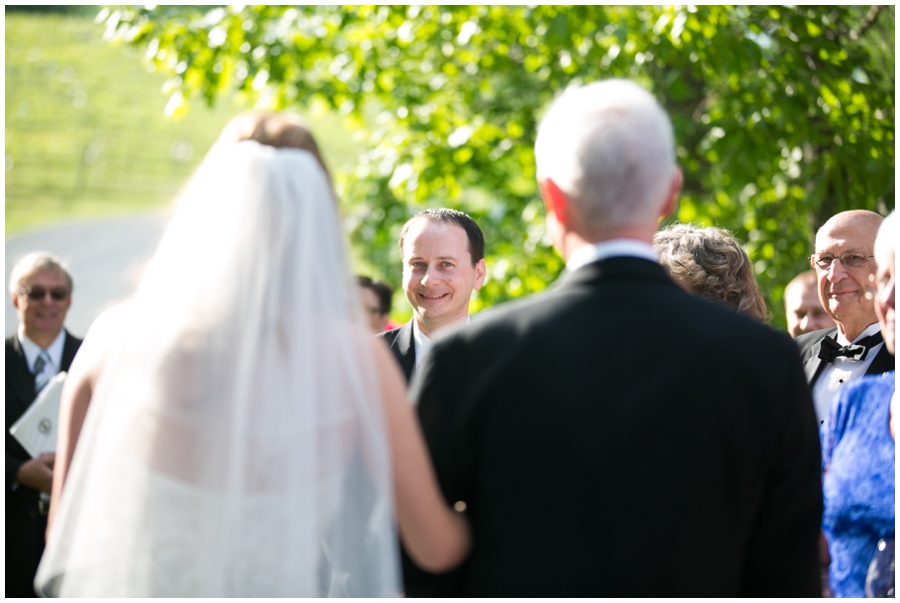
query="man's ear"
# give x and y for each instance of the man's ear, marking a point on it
(671, 204)
(15, 300)
(555, 200)
(480, 273)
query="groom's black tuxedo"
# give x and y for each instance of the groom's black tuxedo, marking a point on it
(415, 580)
(25, 525)
(403, 347)
(619, 437)
(809, 344)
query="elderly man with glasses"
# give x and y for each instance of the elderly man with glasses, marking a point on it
(41, 291)
(844, 265)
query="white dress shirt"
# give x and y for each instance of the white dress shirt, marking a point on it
(843, 371)
(33, 350)
(422, 342)
(611, 248)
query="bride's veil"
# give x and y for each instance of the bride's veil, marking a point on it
(235, 443)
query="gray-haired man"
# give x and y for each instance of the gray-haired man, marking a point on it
(41, 291)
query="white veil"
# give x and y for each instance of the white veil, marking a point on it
(235, 444)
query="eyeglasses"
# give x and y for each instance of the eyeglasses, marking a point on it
(39, 293)
(823, 261)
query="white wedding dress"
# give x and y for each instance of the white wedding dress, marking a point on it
(235, 443)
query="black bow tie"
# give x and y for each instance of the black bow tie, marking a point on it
(831, 349)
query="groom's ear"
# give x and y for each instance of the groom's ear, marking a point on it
(480, 273)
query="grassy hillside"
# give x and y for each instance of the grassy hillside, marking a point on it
(85, 130)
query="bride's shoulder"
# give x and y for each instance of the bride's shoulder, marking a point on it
(103, 332)
(110, 318)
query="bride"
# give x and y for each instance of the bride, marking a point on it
(246, 435)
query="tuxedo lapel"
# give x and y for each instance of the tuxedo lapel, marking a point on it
(20, 380)
(882, 363)
(18, 377)
(406, 349)
(812, 364)
(70, 347)
(812, 367)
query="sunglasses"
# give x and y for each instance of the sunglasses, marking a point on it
(39, 293)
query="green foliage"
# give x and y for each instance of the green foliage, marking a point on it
(783, 115)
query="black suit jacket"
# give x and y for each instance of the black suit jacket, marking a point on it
(402, 346)
(619, 437)
(25, 526)
(809, 344)
(415, 579)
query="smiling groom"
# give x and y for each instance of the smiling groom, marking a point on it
(442, 251)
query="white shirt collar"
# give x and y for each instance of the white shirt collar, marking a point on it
(423, 342)
(33, 350)
(611, 248)
(842, 372)
(870, 330)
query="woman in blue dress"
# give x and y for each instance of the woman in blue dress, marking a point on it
(858, 454)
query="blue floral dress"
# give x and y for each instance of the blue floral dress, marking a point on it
(858, 459)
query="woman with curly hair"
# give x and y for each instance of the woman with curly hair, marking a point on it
(710, 263)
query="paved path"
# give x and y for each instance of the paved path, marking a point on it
(103, 256)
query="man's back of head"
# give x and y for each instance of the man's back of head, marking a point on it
(610, 385)
(609, 146)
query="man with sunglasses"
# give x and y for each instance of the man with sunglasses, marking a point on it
(41, 291)
(844, 265)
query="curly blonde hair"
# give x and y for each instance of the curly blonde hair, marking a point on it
(709, 262)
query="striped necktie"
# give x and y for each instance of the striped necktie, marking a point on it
(41, 377)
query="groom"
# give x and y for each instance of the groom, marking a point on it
(443, 262)
(617, 436)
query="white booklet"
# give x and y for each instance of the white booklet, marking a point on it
(36, 429)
